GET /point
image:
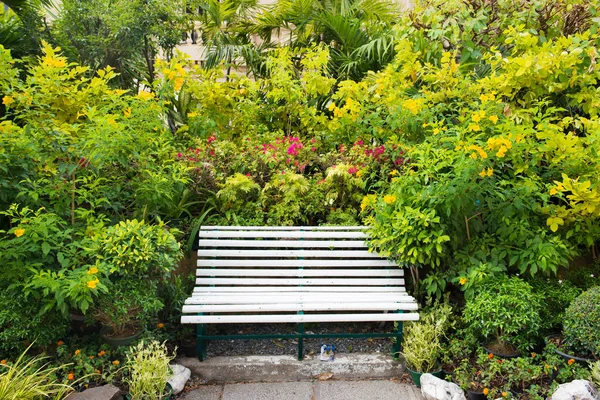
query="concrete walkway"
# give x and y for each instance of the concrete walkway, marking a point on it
(325, 390)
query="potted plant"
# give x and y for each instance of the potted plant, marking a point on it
(134, 258)
(581, 328)
(149, 371)
(422, 343)
(125, 310)
(505, 313)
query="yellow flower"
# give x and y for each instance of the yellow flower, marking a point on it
(331, 106)
(127, 112)
(93, 284)
(462, 281)
(490, 172)
(19, 232)
(474, 127)
(502, 151)
(179, 83)
(359, 173)
(116, 362)
(77, 352)
(436, 131)
(394, 172)
(6, 100)
(476, 118)
(482, 173)
(145, 95)
(92, 271)
(192, 114)
(483, 98)
(504, 394)
(486, 391)
(389, 199)
(493, 118)
(553, 191)
(414, 106)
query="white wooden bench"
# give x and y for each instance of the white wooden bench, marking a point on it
(265, 274)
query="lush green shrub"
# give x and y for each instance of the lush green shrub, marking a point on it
(128, 306)
(135, 249)
(22, 322)
(505, 310)
(556, 295)
(581, 326)
(149, 370)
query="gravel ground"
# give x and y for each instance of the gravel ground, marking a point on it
(289, 346)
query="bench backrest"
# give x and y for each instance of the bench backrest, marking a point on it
(279, 259)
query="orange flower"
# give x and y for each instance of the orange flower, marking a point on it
(60, 343)
(91, 357)
(490, 356)
(3, 362)
(486, 391)
(101, 353)
(116, 362)
(504, 394)
(77, 352)
(533, 355)
(98, 371)
(71, 376)
(160, 325)
(571, 361)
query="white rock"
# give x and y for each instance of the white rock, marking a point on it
(180, 376)
(576, 390)
(434, 388)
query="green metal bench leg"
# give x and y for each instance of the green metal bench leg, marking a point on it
(201, 342)
(397, 346)
(300, 339)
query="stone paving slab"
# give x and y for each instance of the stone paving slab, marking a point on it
(326, 390)
(269, 391)
(365, 390)
(209, 392)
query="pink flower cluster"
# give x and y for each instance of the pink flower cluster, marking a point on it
(376, 152)
(294, 146)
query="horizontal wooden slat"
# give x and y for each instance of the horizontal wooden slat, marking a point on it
(296, 318)
(294, 307)
(310, 298)
(306, 244)
(295, 263)
(282, 234)
(282, 228)
(289, 253)
(301, 289)
(300, 281)
(302, 272)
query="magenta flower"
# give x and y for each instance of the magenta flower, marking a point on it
(352, 170)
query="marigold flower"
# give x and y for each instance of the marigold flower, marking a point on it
(116, 362)
(92, 271)
(60, 343)
(71, 376)
(3, 362)
(490, 356)
(389, 199)
(101, 353)
(160, 325)
(19, 232)
(504, 394)
(533, 355)
(486, 391)
(91, 357)
(571, 361)
(77, 352)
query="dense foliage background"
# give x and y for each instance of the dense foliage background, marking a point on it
(466, 134)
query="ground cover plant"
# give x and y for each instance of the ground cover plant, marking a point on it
(464, 134)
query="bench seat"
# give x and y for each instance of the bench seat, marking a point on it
(293, 275)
